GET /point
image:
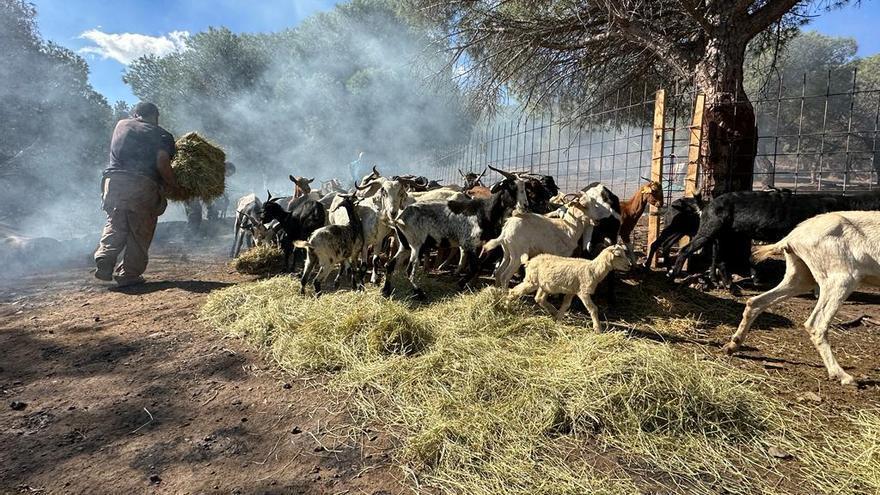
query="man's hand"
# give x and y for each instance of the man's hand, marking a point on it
(163, 164)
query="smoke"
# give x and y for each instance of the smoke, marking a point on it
(302, 101)
(307, 101)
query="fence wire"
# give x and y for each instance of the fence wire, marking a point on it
(809, 139)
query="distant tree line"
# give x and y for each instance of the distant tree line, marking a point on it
(54, 127)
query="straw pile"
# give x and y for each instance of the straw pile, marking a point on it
(489, 398)
(199, 167)
(260, 260)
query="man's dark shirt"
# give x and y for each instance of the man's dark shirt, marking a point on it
(134, 146)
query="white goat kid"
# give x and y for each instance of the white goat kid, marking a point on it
(530, 234)
(836, 252)
(547, 274)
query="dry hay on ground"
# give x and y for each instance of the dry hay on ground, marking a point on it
(200, 169)
(489, 398)
(260, 260)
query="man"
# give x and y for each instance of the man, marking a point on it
(140, 165)
(359, 168)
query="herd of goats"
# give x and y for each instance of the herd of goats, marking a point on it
(569, 243)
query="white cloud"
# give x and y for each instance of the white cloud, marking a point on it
(126, 47)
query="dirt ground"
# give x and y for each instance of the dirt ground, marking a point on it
(125, 391)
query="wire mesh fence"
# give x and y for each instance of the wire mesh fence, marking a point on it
(812, 135)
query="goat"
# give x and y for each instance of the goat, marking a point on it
(466, 224)
(632, 210)
(530, 234)
(249, 230)
(471, 179)
(376, 214)
(765, 216)
(605, 212)
(682, 218)
(443, 194)
(331, 245)
(302, 187)
(305, 217)
(547, 274)
(836, 252)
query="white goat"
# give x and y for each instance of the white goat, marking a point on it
(530, 234)
(249, 230)
(836, 252)
(375, 212)
(547, 274)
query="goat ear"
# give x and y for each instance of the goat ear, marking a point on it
(292, 178)
(465, 207)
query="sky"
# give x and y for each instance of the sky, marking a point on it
(111, 34)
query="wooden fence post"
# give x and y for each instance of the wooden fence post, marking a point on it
(657, 162)
(694, 153)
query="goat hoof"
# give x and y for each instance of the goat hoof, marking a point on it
(730, 348)
(846, 379)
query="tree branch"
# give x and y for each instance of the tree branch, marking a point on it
(765, 16)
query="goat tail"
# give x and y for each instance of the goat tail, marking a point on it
(302, 245)
(490, 245)
(524, 259)
(761, 253)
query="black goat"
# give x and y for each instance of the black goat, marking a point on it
(304, 217)
(765, 216)
(681, 219)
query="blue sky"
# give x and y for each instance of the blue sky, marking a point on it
(118, 30)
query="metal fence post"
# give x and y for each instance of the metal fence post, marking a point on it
(657, 160)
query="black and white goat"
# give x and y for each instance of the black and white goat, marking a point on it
(332, 245)
(465, 224)
(604, 210)
(376, 213)
(305, 216)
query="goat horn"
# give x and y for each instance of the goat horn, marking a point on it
(269, 196)
(461, 173)
(310, 180)
(376, 171)
(647, 179)
(565, 198)
(507, 175)
(483, 173)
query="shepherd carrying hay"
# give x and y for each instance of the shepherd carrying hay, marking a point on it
(140, 162)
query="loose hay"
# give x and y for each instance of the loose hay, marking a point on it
(199, 168)
(490, 398)
(260, 260)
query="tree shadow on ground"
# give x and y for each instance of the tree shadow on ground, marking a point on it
(194, 286)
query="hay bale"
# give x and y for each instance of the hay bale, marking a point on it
(260, 260)
(200, 169)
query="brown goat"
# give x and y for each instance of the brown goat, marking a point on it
(632, 210)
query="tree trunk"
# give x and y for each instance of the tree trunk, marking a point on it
(729, 134)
